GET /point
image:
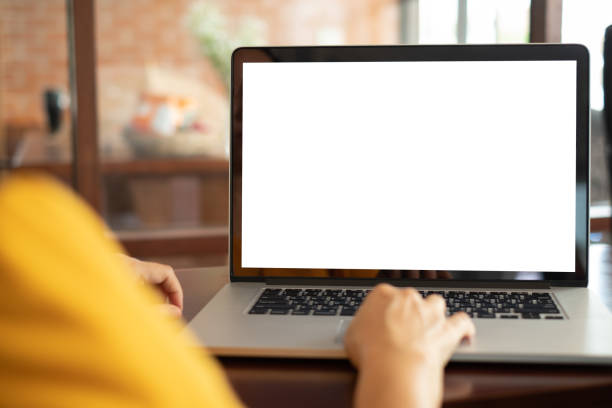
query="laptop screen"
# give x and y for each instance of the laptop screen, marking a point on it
(408, 166)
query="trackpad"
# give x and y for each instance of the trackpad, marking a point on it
(341, 330)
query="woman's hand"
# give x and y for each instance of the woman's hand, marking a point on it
(400, 343)
(164, 279)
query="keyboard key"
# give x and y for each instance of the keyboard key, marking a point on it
(325, 312)
(554, 317)
(531, 316)
(280, 306)
(348, 311)
(509, 316)
(271, 303)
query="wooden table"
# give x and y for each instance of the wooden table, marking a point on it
(321, 383)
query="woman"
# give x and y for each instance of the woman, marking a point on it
(78, 330)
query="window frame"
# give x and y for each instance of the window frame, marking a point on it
(82, 79)
(545, 26)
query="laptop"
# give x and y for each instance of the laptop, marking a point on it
(457, 170)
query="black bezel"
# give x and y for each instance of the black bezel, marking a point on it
(573, 52)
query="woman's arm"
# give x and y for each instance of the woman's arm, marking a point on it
(400, 343)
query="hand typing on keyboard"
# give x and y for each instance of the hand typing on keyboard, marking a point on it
(482, 304)
(400, 342)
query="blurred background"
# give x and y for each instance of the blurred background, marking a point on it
(150, 140)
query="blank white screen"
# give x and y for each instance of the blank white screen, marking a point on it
(409, 165)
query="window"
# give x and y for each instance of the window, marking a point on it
(473, 21)
(35, 122)
(585, 23)
(163, 107)
(162, 93)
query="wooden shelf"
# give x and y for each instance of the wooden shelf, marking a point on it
(166, 166)
(167, 242)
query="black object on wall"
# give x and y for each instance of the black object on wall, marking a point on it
(53, 110)
(607, 87)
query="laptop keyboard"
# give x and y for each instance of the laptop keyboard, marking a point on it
(345, 302)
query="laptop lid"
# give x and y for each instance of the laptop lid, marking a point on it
(410, 164)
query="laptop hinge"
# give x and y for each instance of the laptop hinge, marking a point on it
(405, 282)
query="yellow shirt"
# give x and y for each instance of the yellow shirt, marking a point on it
(75, 329)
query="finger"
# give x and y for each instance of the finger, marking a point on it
(380, 292)
(164, 277)
(384, 289)
(169, 310)
(458, 327)
(172, 288)
(436, 306)
(412, 295)
(411, 303)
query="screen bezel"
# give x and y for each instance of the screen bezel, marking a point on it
(522, 52)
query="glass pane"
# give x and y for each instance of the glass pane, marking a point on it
(585, 22)
(35, 125)
(438, 22)
(486, 21)
(163, 76)
(498, 21)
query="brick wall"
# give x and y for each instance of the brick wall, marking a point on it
(136, 34)
(33, 56)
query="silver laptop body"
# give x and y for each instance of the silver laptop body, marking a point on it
(460, 170)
